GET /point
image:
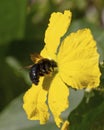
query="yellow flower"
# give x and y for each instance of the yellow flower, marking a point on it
(78, 67)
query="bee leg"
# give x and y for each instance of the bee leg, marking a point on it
(41, 74)
(44, 69)
(36, 80)
(48, 69)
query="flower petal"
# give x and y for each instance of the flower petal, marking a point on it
(56, 29)
(58, 98)
(34, 103)
(65, 126)
(78, 60)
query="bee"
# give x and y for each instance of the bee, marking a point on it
(42, 67)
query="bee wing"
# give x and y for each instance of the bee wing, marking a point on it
(28, 67)
(35, 57)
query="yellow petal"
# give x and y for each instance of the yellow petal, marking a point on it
(34, 103)
(58, 98)
(65, 126)
(78, 60)
(44, 53)
(57, 27)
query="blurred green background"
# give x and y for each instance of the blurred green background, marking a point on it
(22, 27)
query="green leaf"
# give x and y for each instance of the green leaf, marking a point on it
(75, 94)
(88, 115)
(14, 118)
(18, 69)
(12, 20)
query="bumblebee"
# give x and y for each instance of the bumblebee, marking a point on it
(42, 67)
